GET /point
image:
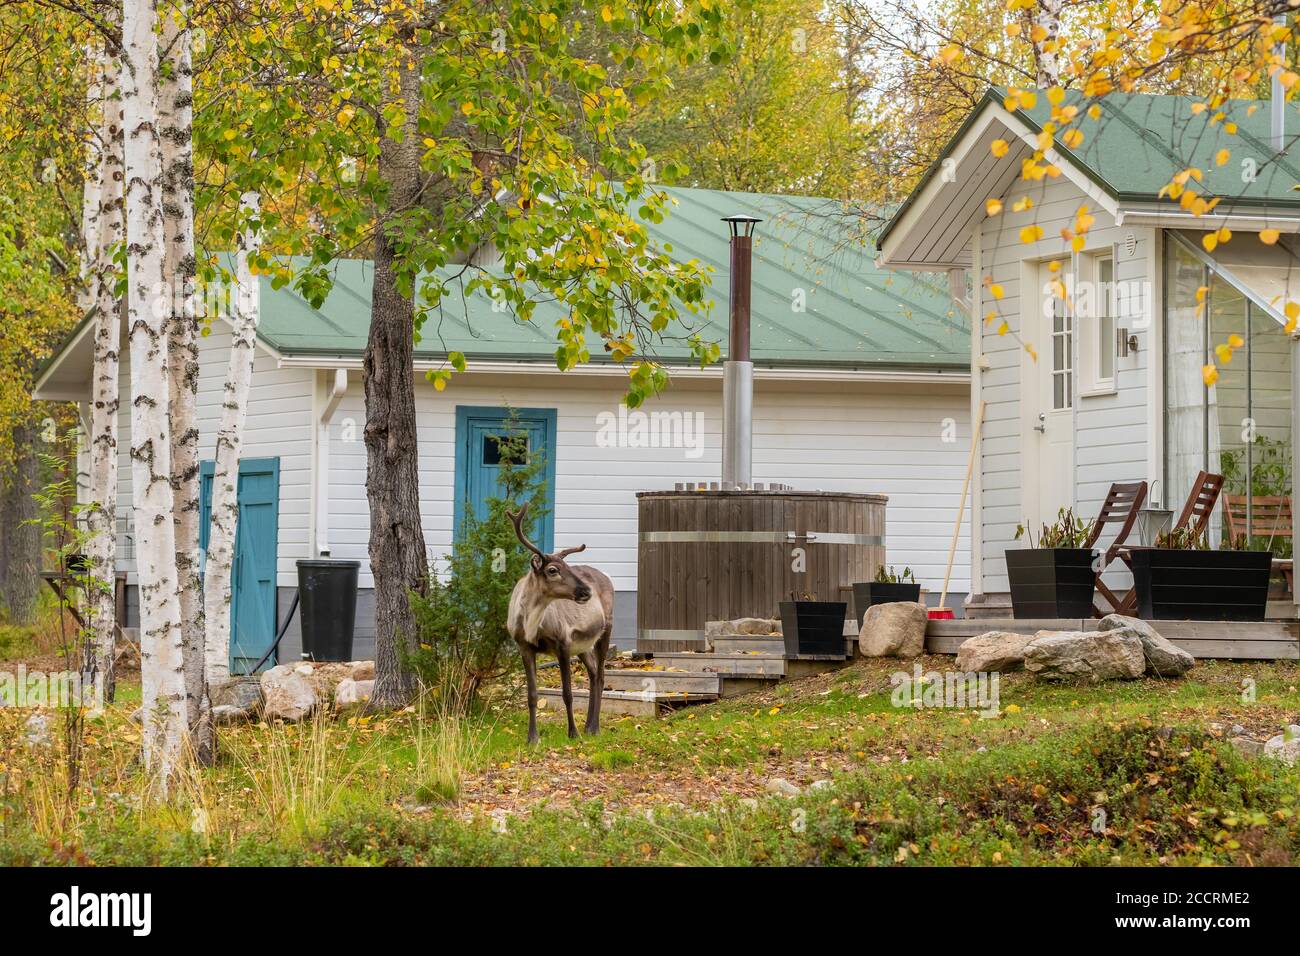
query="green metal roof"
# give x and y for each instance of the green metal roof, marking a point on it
(1141, 141)
(855, 315)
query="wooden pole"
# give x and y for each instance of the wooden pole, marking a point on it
(961, 508)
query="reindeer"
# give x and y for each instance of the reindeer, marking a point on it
(564, 610)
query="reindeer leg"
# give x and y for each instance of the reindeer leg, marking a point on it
(566, 685)
(594, 660)
(529, 655)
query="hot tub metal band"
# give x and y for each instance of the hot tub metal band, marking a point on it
(758, 537)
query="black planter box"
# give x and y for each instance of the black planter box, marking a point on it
(865, 594)
(1051, 582)
(1174, 585)
(813, 627)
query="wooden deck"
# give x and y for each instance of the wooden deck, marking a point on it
(1223, 640)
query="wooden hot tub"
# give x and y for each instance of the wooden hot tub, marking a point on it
(720, 555)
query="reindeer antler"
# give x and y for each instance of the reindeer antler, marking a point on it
(568, 551)
(517, 518)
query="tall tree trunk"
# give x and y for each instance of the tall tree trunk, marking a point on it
(161, 672)
(397, 552)
(175, 117)
(22, 536)
(225, 478)
(101, 516)
(1046, 36)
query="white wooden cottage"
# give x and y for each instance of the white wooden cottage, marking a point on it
(1108, 384)
(862, 384)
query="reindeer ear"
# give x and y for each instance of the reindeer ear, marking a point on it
(537, 562)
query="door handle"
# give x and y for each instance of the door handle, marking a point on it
(1042, 423)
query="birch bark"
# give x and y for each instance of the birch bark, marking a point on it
(105, 224)
(225, 479)
(161, 674)
(175, 117)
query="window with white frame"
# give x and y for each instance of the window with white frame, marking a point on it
(1097, 338)
(1062, 359)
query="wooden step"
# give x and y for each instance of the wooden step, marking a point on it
(650, 681)
(623, 703)
(749, 645)
(728, 665)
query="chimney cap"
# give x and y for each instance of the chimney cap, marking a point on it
(741, 224)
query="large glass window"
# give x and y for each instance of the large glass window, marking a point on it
(1240, 426)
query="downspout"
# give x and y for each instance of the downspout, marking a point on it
(332, 400)
(1295, 474)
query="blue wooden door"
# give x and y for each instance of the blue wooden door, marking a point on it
(479, 434)
(252, 607)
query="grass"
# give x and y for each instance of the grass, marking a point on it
(1136, 773)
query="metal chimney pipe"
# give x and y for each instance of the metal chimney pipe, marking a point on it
(738, 370)
(1277, 101)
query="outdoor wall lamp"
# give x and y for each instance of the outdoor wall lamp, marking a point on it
(1125, 343)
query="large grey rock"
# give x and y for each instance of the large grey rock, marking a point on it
(225, 714)
(1285, 746)
(896, 629)
(1164, 658)
(352, 693)
(993, 651)
(287, 694)
(1086, 655)
(244, 694)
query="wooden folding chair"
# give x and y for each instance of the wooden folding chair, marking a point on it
(1195, 518)
(1269, 518)
(1122, 505)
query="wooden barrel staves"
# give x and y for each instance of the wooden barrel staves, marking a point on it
(721, 555)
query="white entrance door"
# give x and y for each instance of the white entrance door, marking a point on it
(1052, 435)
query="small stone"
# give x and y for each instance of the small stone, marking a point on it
(819, 785)
(781, 787)
(1285, 746)
(363, 670)
(243, 693)
(1248, 747)
(137, 716)
(288, 694)
(753, 625)
(352, 693)
(38, 730)
(224, 714)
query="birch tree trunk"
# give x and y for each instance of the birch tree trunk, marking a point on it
(161, 672)
(1046, 36)
(175, 118)
(225, 478)
(101, 517)
(397, 551)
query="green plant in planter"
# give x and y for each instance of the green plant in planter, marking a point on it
(890, 577)
(1183, 539)
(1068, 531)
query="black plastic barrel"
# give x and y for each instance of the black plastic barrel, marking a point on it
(328, 592)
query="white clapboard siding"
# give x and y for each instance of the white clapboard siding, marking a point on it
(848, 437)
(1111, 430)
(278, 426)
